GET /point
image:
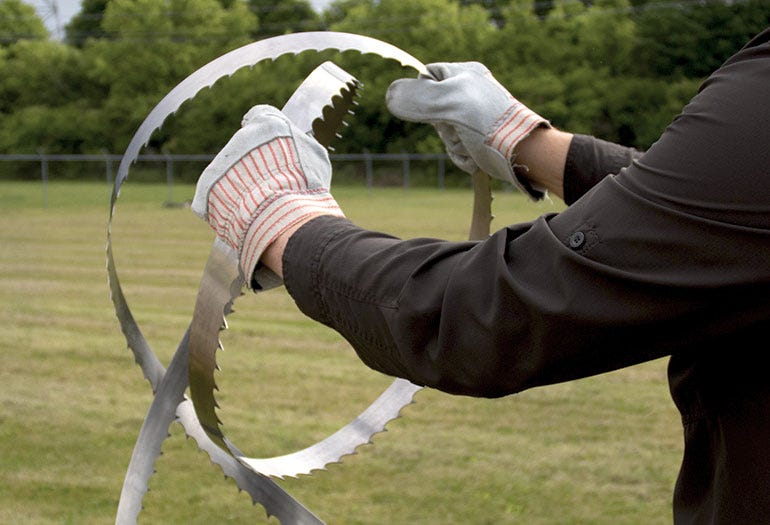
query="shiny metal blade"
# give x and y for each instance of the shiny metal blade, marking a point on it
(167, 385)
(248, 56)
(222, 283)
(325, 129)
(317, 105)
(222, 280)
(169, 404)
(168, 394)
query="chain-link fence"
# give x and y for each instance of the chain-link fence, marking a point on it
(370, 169)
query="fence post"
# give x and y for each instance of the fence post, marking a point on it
(369, 174)
(405, 167)
(44, 175)
(169, 178)
(441, 173)
(107, 166)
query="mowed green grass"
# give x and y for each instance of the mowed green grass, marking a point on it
(603, 450)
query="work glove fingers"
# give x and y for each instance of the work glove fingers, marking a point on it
(313, 158)
(268, 177)
(426, 100)
(455, 148)
(261, 125)
(466, 103)
(445, 70)
(463, 94)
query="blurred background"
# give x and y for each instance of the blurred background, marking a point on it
(78, 78)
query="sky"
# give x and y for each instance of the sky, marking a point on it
(56, 13)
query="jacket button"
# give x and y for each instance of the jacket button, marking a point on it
(577, 239)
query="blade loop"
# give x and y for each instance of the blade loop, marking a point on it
(169, 385)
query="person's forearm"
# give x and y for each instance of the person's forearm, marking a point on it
(544, 153)
(589, 161)
(272, 257)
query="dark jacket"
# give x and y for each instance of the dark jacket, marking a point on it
(665, 255)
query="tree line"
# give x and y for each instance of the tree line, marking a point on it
(617, 69)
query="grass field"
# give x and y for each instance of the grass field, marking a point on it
(603, 450)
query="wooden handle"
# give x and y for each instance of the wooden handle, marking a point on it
(482, 206)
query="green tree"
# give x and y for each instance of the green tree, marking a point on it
(692, 40)
(611, 68)
(523, 41)
(47, 100)
(338, 10)
(71, 128)
(44, 72)
(430, 30)
(19, 21)
(567, 63)
(284, 16)
(495, 9)
(151, 47)
(87, 23)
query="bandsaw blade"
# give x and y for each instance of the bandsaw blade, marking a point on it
(276, 501)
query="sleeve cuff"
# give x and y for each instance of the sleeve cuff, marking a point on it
(302, 258)
(589, 160)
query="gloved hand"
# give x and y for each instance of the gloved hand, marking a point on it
(479, 121)
(267, 178)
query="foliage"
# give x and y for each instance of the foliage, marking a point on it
(87, 23)
(288, 16)
(18, 21)
(618, 69)
(433, 30)
(163, 41)
(693, 41)
(495, 8)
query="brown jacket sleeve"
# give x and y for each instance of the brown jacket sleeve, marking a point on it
(668, 255)
(589, 160)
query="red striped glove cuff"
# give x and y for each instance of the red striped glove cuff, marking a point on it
(276, 215)
(514, 126)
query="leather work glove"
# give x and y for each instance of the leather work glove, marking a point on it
(267, 178)
(479, 121)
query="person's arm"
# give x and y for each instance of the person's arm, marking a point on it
(543, 152)
(568, 165)
(669, 255)
(483, 126)
(589, 160)
(564, 164)
(268, 179)
(272, 257)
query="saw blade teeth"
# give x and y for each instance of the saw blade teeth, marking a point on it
(325, 127)
(276, 502)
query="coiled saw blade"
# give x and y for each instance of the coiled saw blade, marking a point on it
(169, 385)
